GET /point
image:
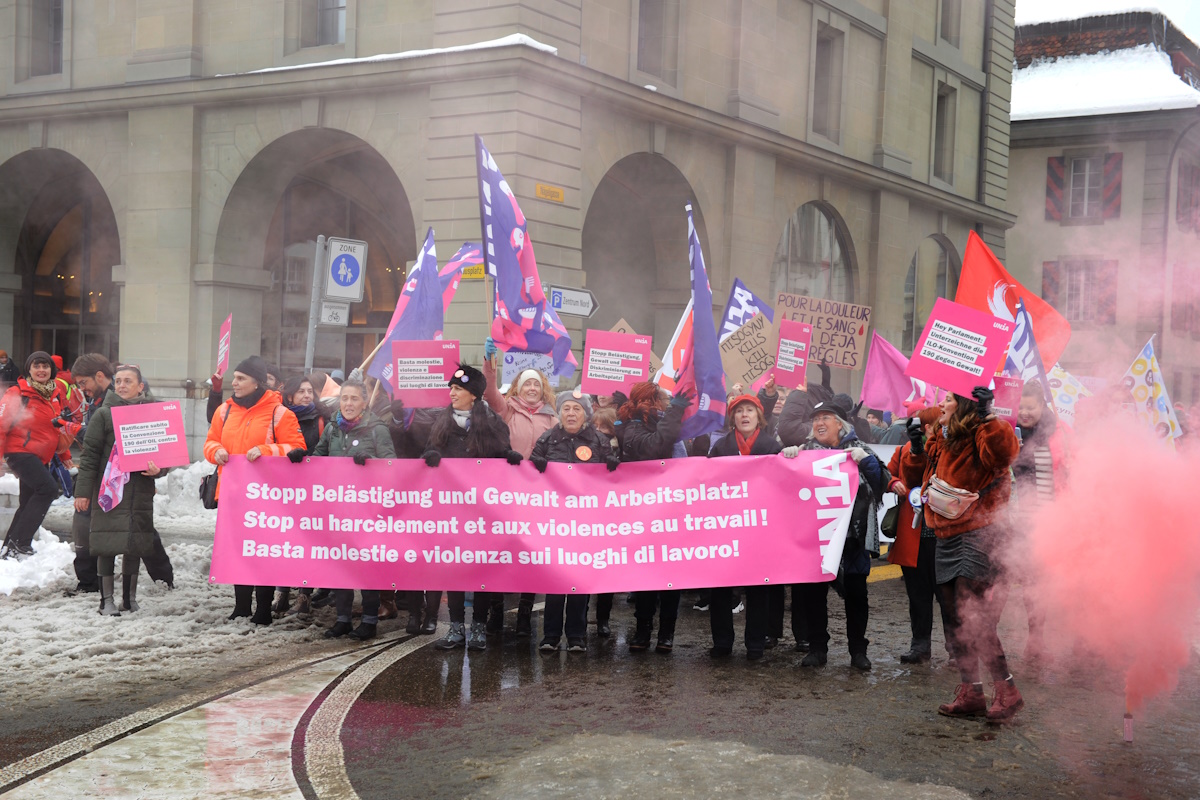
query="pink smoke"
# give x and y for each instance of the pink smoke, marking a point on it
(1113, 560)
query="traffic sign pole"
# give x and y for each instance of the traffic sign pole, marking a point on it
(314, 306)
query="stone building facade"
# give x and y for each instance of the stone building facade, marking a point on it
(163, 164)
(1106, 186)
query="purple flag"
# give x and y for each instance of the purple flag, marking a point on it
(521, 318)
(701, 373)
(885, 386)
(743, 305)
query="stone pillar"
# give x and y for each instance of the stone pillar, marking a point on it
(889, 256)
(752, 231)
(892, 152)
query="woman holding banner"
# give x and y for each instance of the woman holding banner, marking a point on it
(254, 423)
(971, 452)
(650, 429)
(123, 523)
(466, 428)
(354, 433)
(572, 441)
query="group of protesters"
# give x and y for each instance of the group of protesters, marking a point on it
(954, 475)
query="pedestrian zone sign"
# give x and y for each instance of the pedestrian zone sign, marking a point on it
(344, 274)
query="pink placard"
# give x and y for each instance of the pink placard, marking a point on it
(1007, 398)
(471, 524)
(959, 348)
(421, 371)
(614, 362)
(795, 339)
(150, 432)
(223, 345)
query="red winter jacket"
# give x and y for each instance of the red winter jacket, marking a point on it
(27, 422)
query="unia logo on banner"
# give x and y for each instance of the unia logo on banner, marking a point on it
(831, 469)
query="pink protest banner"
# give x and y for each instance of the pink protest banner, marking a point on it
(421, 371)
(223, 345)
(614, 362)
(1007, 398)
(792, 358)
(473, 524)
(150, 432)
(959, 348)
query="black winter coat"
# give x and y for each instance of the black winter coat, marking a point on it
(312, 425)
(765, 445)
(559, 446)
(648, 440)
(496, 443)
(129, 527)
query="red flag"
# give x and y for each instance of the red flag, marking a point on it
(986, 285)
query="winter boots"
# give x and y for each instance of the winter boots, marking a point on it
(968, 702)
(283, 597)
(478, 638)
(1006, 702)
(387, 607)
(524, 615)
(129, 593)
(339, 628)
(363, 632)
(455, 638)
(107, 607)
(641, 638)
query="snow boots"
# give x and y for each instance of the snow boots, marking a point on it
(456, 637)
(129, 593)
(107, 607)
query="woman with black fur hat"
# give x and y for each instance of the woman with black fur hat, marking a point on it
(467, 428)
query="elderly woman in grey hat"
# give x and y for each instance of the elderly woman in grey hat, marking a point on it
(574, 440)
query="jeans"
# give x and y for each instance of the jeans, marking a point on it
(343, 601)
(576, 616)
(720, 616)
(38, 491)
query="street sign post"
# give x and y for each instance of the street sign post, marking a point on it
(345, 273)
(335, 314)
(577, 302)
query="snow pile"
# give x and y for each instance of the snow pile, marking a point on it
(177, 493)
(9, 484)
(1119, 82)
(49, 564)
(504, 41)
(1184, 14)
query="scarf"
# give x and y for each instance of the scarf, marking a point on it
(532, 409)
(346, 425)
(303, 412)
(249, 400)
(744, 444)
(46, 390)
(112, 484)
(463, 418)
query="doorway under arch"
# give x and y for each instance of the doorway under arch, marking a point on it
(815, 255)
(933, 273)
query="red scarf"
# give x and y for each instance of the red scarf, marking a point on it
(745, 444)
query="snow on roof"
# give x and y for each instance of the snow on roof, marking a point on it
(1184, 14)
(1117, 82)
(504, 41)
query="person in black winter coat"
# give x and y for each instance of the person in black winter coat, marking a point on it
(648, 432)
(572, 441)
(467, 428)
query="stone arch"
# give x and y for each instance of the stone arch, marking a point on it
(815, 255)
(59, 242)
(635, 253)
(310, 182)
(932, 273)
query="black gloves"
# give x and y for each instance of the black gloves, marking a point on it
(513, 457)
(681, 400)
(58, 423)
(825, 373)
(432, 458)
(854, 411)
(619, 399)
(295, 455)
(916, 436)
(360, 459)
(613, 462)
(984, 396)
(539, 463)
(398, 410)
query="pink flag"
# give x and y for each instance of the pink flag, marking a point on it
(885, 386)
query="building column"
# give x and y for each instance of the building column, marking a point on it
(751, 230)
(887, 260)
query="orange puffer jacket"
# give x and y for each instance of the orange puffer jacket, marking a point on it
(267, 425)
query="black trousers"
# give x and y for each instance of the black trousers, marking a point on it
(720, 616)
(666, 603)
(575, 620)
(38, 491)
(920, 583)
(604, 603)
(418, 602)
(816, 611)
(343, 601)
(262, 594)
(81, 536)
(777, 596)
(479, 606)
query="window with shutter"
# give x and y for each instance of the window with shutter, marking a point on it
(1055, 181)
(1112, 186)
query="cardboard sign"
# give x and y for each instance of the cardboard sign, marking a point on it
(1007, 399)
(223, 345)
(749, 351)
(150, 432)
(614, 362)
(791, 359)
(839, 330)
(514, 362)
(959, 348)
(624, 327)
(421, 371)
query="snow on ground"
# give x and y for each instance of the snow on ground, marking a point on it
(9, 484)
(1184, 14)
(1123, 81)
(49, 564)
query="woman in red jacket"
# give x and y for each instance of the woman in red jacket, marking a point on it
(31, 420)
(973, 451)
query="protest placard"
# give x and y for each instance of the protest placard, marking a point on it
(839, 330)
(753, 521)
(624, 327)
(959, 348)
(1007, 398)
(421, 371)
(150, 432)
(614, 362)
(223, 345)
(791, 359)
(749, 351)
(514, 362)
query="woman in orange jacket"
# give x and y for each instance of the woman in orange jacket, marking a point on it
(254, 423)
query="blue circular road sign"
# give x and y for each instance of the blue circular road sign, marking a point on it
(345, 270)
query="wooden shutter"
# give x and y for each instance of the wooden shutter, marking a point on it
(1051, 281)
(1111, 207)
(1056, 173)
(1106, 293)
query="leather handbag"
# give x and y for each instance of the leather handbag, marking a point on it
(947, 501)
(208, 491)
